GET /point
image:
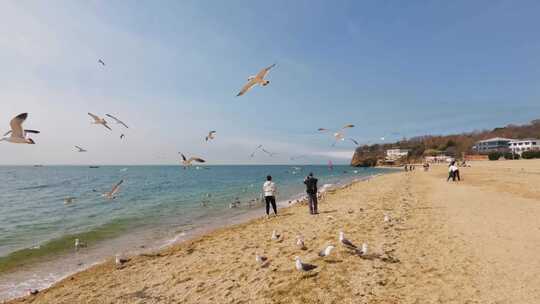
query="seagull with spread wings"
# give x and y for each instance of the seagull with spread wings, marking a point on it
(115, 189)
(17, 133)
(118, 121)
(211, 135)
(338, 135)
(99, 121)
(257, 79)
(79, 149)
(187, 162)
(101, 62)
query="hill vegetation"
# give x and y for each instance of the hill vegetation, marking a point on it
(451, 145)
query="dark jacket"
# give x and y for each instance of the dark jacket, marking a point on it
(311, 185)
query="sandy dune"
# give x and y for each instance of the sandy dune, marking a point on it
(477, 241)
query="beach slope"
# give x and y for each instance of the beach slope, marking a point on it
(476, 241)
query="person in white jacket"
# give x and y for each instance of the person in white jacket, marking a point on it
(269, 190)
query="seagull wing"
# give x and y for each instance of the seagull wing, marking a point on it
(247, 87)
(264, 71)
(117, 120)
(106, 126)
(196, 159)
(354, 141)
(348, 243)
(116, 188)
(183, 157)
(80, 149)
(348, 126)
(32, 131)
(323, 130)
(16, 125)
(95, 117)
(7, 133)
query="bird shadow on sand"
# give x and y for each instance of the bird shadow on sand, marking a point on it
(333, 261)
(309, 276)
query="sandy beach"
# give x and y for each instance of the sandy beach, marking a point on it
(476, 241)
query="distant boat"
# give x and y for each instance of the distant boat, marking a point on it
(38, 166)
(93, 167)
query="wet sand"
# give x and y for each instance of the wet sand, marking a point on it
(476, 241)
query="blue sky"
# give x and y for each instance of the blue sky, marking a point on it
(174, 68)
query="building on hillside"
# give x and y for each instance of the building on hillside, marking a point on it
(395, 154)
(438, 159)
(522, 145)
(497, 144)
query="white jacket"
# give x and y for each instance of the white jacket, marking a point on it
(269, 188)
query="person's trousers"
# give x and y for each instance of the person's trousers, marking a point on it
(451, 175)
(456, 175)
(312, 201)
(270, 200)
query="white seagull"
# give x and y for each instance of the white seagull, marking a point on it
(257, 79)
(120, 260)
(300, 242)
(18, 134)
(326, 251)
(338, 135)
(115, 189)
(99, 121)
(275, 236)
(118, 121)
(386, 218)
(345, 242)
(211, 135)
(79, 244)
(303, 267)
(80, 149)
(187, 162)
(68, 200)
(260, 259)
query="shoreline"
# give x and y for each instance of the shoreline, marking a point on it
(207, 227)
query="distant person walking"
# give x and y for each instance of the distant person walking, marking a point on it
(450, 172)
(269, 191)
(311, 190)
(456, 172)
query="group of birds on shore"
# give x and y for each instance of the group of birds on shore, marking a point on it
(361, 251)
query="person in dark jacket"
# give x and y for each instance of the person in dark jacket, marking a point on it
(311, 190)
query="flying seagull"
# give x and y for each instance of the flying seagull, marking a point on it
(80, 149)
(118, 121)
(326, 251)
(211, 135)
(338, 135)
(253, 153)
(101, 61)
(99, 121)
(346, 242)
(115, 189)
(122, 136)
(257, 79)
(188, 162)
(18, 134)
(303, 267)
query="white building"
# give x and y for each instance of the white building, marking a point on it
(497, 144)
(519, 146)
(393, 154)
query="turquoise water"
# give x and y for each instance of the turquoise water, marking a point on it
(155, 204)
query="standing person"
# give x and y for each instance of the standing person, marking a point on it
(451, 172)
(456, 173)
(269, 191)
(311, 190)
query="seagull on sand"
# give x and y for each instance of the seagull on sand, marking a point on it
(101, 62)
(80, 149)
(363, 250)
(99, 121)
(326, 251)
(303, 267)
(33, 291)
(79, 244)
(257, 79)
(18, 134)
(345, 242)
(300, 242)
(211, 135)
(115, 189)
(260, 259)
(120, 260)
(118, 121)
(275, 236)
(386, 218)
(187, 162)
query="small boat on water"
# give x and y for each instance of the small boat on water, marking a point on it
(93, 167)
